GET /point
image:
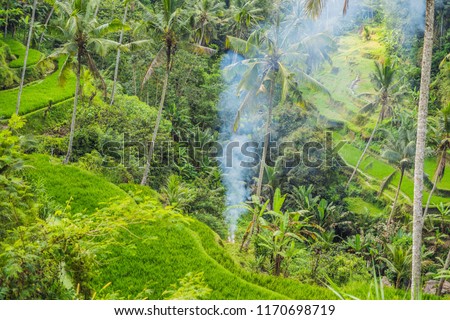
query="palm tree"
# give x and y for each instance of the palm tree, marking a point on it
(165, 21)
(398, 261)
(258, 210)
(399, 149)
(420, 149)
(314, 7)
(284, 229)
(271, 61)
(116, 67)
(244, 15)
(383, 78)
(24, 68)
(442, 151)
(205, 19)
(84, 36)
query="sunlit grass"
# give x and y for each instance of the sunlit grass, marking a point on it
(379, 170)
(18, 50)
(64, 182)
(37, 95)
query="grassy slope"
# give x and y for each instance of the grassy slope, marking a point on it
(63, 182)
(380, 170)
(37, 95)
(179, 249)
(18, 50)
(358, 206)
(356, 57)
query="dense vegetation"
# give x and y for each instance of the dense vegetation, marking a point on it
(113, 114)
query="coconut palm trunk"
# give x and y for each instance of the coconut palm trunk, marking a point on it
(365, 151)
(74, 112)
(6, 19)
(420, 150)
(155, 130)
(442, 280)
(116, 69)
(266, 145)
(24, 68)
(41, 38)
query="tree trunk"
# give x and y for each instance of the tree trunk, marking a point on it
(394, 205)
(74, 112)
(420, 150)
(266, 146)
(116, 69)
(365, 150)
(277, 268)
(442, 280)
(45, 26)
(248, 233)
(6, 19)
(202, 35)
(30, 35)
(155, 130)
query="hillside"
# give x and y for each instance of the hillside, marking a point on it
(237, 150)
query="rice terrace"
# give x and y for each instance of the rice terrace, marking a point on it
(225, 150)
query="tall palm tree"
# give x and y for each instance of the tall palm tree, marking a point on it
(84, 36)
(272, 62)
(25, 58)
(383, 79)
(420, 149)
(165, 21)
(116, 67)
(167, 24)
(128, 4)
(399, 149)
(205, 19)
(442, 152)
(314, 7)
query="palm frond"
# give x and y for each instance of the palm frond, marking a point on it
(308, 81)
(65, 70)
(157, 61)
(370, 107)
(386, 182)
(135, 45)
(314, 8)
(244, 103)
(240, 46)
(201, 50)
(114, 26)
